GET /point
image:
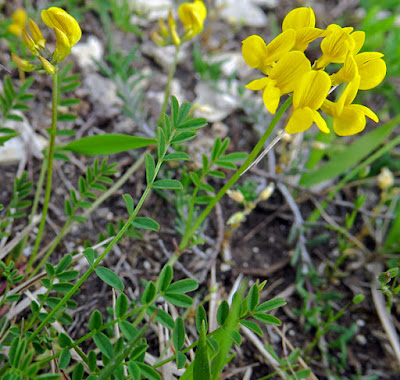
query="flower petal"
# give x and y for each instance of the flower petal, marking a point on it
(312, 90)
(350, 122)
(289, 70)
(372, 69)
(321, 123)
(271, 97)
(192, 17)
(306, 35)
(367, 112)
(63, 47)
(254, 52)
(299, 18)
(280, 45)
(301, 120)
(55, 17)
(258, 84)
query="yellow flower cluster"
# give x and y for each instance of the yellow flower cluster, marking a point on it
(288, 70)
(67, 31)
(191, 15)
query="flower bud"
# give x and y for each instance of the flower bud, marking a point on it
(22, 63)
(37, 35)
(50, 69)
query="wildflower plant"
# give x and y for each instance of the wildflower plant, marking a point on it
(288, 70)
(117, 347)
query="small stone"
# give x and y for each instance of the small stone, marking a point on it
(86, 52)
(244, 12)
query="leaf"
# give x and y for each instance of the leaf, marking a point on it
(177, 156)
(64, 263)
(252, 326)
(62, 287)
(177, 299)
(129, 203)
(161, 316)
(64, 340)
(90, 255)
(180, 360)
(253, 298)
(65, 358)
(178, 335)
(192, 124)
(150, 168)
(128, 329)
(349, 157)
(200, 317)
(149, 293)
(78, 372)
(183, 112)
(95, 320)
(92, 361)
(133, 370)
(121, 306)
(201, 369)
(148, 372)
(271, 304)
(167, 184)
(174, 110)
(68, 275)
(145, 224)
(165, 278)
(266, 318)
(234, 157)
(110, 278)
(182, 137)
(66, 117)
(103, 343)
(107, 144)
(223, 312)
(183, 286)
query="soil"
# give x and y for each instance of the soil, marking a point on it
(261, 248)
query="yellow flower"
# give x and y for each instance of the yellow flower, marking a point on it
(192, 17)
(37, 35)
(260, 56)
(22, 63)
(19, 18)
(370, 66)
(308, 97)
(348, 118)
(173, 30)
(302, 20)
(67, 30)
(29, 42)
(372, 69)
(282, 78)
(337, 43)
(50, 69)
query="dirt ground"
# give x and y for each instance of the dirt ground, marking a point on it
(259, 249)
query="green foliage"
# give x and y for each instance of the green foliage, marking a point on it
(67, 83)
(13, 100)
(18, 204)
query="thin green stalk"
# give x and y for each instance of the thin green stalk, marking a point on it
(171, 74)
(252, 156)
(49, 249)
(106, 251)
(50, 158)
(368, 161)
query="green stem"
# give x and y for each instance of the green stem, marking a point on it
(106, 251)
(171, 74)
(368, 161)
(252, 156)
(50, 158)
(67, 228)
